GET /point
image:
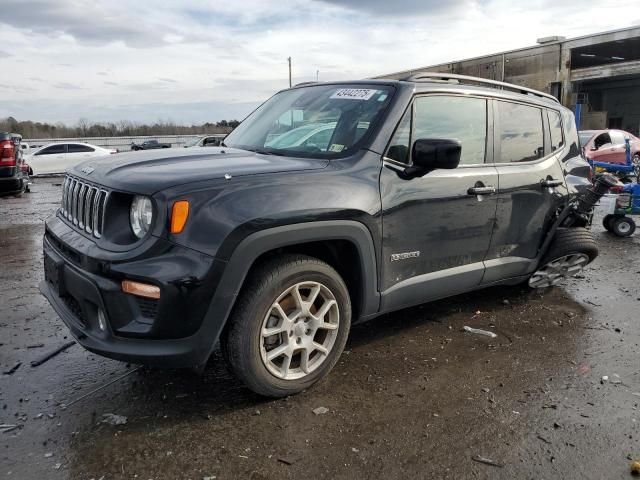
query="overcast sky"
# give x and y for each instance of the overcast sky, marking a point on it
(193, 61)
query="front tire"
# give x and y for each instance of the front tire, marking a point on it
(289, 326)
(571, 250)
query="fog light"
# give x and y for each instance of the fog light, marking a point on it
(102, 321)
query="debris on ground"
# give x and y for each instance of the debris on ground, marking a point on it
(36, 345)
(635, 468)
(12, 370)
(604, 379)
(486, 461)
(286, 460)
(6, 428)
(479, 332)
(113, 419)
(320, 410)
(48, 356)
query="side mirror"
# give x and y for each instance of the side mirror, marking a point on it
(432, 154)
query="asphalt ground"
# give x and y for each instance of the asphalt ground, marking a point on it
(413, 396)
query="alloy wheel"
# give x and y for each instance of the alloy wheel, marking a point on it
(299, 330)
(554, 271)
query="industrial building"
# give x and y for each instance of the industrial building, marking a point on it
(596, 75)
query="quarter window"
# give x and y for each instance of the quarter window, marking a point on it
(399, 147)
(454, 118)
(521, 136)
(555, 126)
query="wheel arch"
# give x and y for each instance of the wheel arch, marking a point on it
(326, 240)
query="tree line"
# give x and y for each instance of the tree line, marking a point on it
(123, 128)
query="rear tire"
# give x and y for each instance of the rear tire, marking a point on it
(607, 220)
(570, 251)
(289, 325)
(623, 226)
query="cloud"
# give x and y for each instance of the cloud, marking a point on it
(202, 61)
(4, 54)
(67, 86)
(84, 20)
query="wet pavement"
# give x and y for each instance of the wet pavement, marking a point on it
(414, 396)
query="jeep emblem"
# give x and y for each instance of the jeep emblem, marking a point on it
(87, 170)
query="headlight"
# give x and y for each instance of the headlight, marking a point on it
(141, 215)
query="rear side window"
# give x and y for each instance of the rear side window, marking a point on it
(53, 149)
(521, 137)
(453, 118)
(555, 126)
(75, 148)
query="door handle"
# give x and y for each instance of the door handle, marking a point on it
(481, 190)
(551, 183)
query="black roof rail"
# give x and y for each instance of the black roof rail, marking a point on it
(430, 76)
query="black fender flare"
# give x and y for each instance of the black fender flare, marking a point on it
(258, 243)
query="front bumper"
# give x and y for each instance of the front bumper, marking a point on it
(166, 334)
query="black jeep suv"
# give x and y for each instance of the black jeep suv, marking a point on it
(330, 204)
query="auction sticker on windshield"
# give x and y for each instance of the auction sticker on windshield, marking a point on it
(355, 93)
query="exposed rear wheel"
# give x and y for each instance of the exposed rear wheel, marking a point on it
(623, 226)
(289, 327)
(572, 249)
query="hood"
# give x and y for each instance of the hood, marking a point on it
(147, 172)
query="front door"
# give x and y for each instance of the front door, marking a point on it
(437, 228)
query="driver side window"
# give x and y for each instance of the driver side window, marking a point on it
(443, 117)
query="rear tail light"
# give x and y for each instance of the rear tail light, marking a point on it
(7, 154)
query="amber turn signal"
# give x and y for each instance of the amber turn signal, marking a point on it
(140, 289)
(179, 215)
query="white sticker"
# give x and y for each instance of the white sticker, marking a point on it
(354, 93)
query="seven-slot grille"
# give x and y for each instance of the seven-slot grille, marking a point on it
(84, 205)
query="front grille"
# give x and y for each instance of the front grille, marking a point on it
(84, 205)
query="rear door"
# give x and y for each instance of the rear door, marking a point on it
(50, 159)
(437, 228)
(532, 185)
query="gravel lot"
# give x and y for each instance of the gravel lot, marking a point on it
(413, 397)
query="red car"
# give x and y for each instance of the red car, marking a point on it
(608, 145)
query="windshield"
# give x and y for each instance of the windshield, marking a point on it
(192, 142)
(584, 137)
(320, 121)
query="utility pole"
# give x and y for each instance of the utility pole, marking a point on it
(289, 60)
(317, 75)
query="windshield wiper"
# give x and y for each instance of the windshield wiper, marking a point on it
(263, 151)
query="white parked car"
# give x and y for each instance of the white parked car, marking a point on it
(57, 157)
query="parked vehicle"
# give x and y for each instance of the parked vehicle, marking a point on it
(149, 145)
(608, 146)
(57, 157)
(204, 141)
(14, 173)
(276, 252)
